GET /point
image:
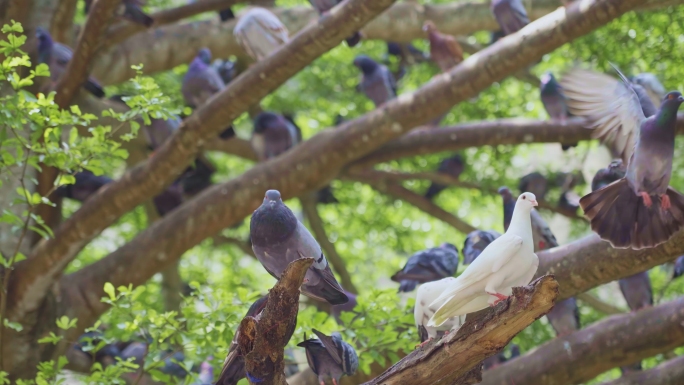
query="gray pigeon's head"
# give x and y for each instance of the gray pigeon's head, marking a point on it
(204, 55)
(272, 222)
(266, 120)
(44, 42)
(449, 246)
(505, 193)
(672, 101)
(366, 64)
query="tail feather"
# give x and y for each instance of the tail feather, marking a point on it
(94, 88)
(228, 133)
(619, 216)
(407, 286)
(354, 39)
(433, 190)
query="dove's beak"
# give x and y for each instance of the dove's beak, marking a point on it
(534, 203)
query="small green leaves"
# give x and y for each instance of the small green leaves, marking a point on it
(111, 292)
(65, 323)
(12, 325)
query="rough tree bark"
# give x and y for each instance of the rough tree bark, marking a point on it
(454, 356)
(668, 373)
(615, 341)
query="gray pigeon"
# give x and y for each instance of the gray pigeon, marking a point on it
(206, 374)
(57, 56)
(445, 50)
(201, 82)
(536, 183)
(330, 357)
(541, 233)
(407, 53)
(377, 81)
(169, 199)
(475, 242)
(260, 33)
(615, 171)
(510, 14)
(278, 238)
(86, 184)
(323, 6)
(679, 267)
(637, 291)
(426, 266)
(565, 317)
(624, 213)
(273, 135)
(554, 101)
(452, 166)
(129, 9)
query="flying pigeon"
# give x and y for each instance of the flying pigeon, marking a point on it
(624, 213)
(422, 313)
(475, 242)
(535, 183)
(234, 365)
(637, 291)
(426, 266)
(554, 102)
(259, 32)
(510, 14)
(323, 6)
(278, 238)
(605, 101)
(679, 267)
(615, 171)
(507, 262)
(169, 199)
(541, 233)
(273, 135)
(444, 49)
(564, 317)
(377, 81)
(86, 184)
(57, 56)
(201, 82)
(129, 9)
(330, 357)
(337, 310)
(453, 167)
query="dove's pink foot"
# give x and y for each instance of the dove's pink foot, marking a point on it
(420, 345)
(499, 297)
(334, 381)
(665, 202)
(647, 199)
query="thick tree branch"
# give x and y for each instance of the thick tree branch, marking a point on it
(50, 257)
(307, 167)
(397, 191)
(63, 21)
(309, 206)
(456, 354)
(262, 342)
(669, 373)
(615, 341)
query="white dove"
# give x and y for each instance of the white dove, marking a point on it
(509, 261)
(427, 293)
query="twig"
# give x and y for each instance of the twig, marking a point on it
(311, 212)
(598, 304)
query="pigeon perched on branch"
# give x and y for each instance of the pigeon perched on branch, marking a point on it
(445, 50)
(475, 242)
(510, 14)
(377, 81)
(130, 10)
(329, 357)
(323, 6)
(452, 166)
(422, 313)
(427, 265)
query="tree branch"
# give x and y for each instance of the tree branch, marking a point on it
(599, 305)
(490, 331)
(309, 206)
(295, 172)
(242, 245)
(669, 373)
(614, 341)
(50, 257)
(397, 191)
(262, 342)
(63, 21)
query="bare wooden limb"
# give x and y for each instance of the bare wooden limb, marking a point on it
(615, 341)
(453, 356)
(599, 305)
(309, 206)
(263, 342)
(668, 373)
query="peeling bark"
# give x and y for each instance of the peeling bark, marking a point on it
(615, 341)
(447, 360)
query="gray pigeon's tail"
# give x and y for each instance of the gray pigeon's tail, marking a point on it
(354, 39)
(619, 216)
(407, 286)
(94, 88)
(327, 288)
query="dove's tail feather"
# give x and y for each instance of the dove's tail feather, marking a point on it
(407, 286)
(451, 300)
(454, 307)
(620, 216)
(354, 39)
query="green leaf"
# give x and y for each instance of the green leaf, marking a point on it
(109, 289)
(12, 325)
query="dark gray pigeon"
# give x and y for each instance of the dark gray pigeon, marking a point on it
(510, 14)
(641, 210)
(129, 9)
(234, 364)
(57, 56)
(679, 267)
(637, 291)
(278, 238)
(323, 6)
(554, 102)
(565, 317)
(201, 82)
(427, 266)
(86, 185)
(495, 36)
(615, 171)
(377, 81)
(330, 357)
(541, 232)
(445, 50)
(226, 69)
(653, 87)
(273, 135)
(452, 166)
(169, 199)
(536, 183)
(475, 242)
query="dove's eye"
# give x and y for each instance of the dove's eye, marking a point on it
(524, 197)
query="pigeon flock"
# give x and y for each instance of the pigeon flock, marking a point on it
(631, 204)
